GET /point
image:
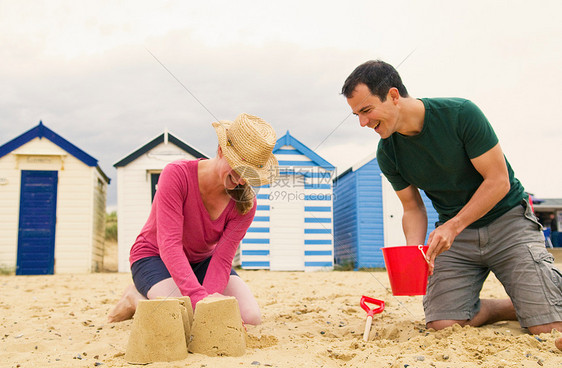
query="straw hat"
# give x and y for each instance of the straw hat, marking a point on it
(247, 143)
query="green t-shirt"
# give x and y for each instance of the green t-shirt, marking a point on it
(437, 160)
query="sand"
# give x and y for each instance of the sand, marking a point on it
(309, 320)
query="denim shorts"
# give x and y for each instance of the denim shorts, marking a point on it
(149, 271)
(512, 247)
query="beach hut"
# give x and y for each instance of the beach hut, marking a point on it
(368, 215)
(292, 228)
(53, 205)
(137, 179)
(549, 213)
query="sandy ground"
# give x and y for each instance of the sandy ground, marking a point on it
(309, 320)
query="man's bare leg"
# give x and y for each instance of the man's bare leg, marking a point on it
(546, 328)
(491, 311)
(126, 307)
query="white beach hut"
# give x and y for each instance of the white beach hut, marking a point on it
(137, 179)
(52, 196)
(292, 229)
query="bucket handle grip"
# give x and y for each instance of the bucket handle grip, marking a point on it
(420, 247)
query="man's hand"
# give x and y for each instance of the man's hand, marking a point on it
(439, 241)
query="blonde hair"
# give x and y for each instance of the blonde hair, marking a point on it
(243, 195)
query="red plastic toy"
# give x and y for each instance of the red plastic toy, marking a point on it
(370, 313)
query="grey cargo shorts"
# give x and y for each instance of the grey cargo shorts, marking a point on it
(513, 248)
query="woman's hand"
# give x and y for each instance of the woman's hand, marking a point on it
(214, 295)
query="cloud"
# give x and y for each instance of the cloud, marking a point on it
(111, 103)
(83, 69)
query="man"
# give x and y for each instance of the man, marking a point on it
(446, 147)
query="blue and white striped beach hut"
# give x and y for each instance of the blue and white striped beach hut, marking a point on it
(368, 215)
(292, 229)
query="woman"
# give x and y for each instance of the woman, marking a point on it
(201, 212)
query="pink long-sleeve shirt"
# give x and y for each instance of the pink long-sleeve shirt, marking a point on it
(180, 230)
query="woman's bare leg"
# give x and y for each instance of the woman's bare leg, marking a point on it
(236, 287)
(166, 288)
(126, 307)
(249, 309)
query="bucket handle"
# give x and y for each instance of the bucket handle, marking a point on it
(420, 247)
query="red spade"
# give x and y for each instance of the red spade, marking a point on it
(370, 313)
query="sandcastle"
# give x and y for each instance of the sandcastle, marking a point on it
(217, 328)
(164, 329)
(160, 331)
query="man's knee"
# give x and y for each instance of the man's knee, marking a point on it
(546, 328)
(441, 324)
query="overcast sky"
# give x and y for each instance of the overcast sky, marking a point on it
(84, 69)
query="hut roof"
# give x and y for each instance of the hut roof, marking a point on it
(41, 131)
(162, 138)
(289, 140)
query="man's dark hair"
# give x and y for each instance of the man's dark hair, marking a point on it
(379, 76)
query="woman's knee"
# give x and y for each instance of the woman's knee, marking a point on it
(165, 288)
(251, 316)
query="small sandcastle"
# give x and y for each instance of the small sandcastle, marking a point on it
(165, 330)
(217, 328)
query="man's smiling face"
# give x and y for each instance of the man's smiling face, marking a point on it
(372, 112)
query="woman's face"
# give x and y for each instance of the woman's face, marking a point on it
(230, 178)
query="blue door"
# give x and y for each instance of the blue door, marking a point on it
(154, 184)
(36, 231)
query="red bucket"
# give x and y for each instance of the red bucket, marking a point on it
(407, 269)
